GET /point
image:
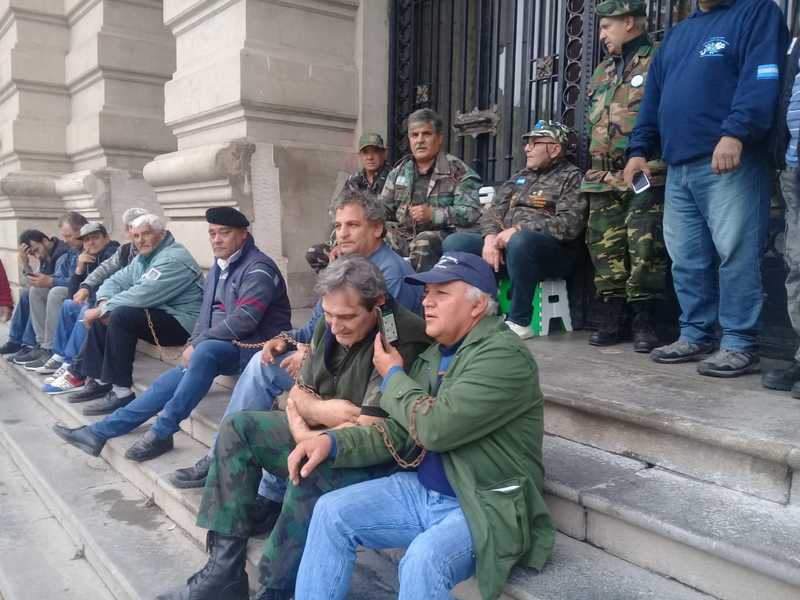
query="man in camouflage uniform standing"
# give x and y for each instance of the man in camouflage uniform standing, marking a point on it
(428, 195)
(624, 234)
(534, 223)
(368, 181)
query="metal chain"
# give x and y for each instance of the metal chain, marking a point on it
(161, 353)
(426, 402)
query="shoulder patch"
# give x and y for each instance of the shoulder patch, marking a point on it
(767, 72)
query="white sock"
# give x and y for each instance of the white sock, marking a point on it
(121, 392)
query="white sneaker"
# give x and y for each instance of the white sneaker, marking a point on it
(63, 385)
(61, 370)
(523, 331)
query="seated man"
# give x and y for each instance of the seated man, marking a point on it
(69, 342)
(428, 194)
(97, 247)
(337, 385)
(359, 232)
(155, 298)
(533, 228)
(474, 505)
(245, 301)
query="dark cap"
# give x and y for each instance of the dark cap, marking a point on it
(371, 139)
(459, 266)
(92, 227)
(226, 216)
(621, 8)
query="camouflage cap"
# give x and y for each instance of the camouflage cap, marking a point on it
(371, 139)
(621, 8)
(553, 129)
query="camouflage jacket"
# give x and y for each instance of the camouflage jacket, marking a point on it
(546, 201)
(358, 181)
(452, 194)
(613, 107)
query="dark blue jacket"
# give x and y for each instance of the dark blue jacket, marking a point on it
(255, 301)
(75, 280)
(55, 264)
(716, 74)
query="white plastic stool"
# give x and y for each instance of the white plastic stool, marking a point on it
(554, 304)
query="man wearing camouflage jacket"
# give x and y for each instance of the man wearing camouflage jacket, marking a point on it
(428, 195)
(624, 234)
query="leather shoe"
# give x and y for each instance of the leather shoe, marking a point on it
(192, 477)
(108, 404)
(149, 446)
(81, 437)
(782, 379)
(92, 390)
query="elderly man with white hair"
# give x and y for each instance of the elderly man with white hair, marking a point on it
(159, 291)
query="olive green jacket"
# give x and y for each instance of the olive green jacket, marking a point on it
(487, 421)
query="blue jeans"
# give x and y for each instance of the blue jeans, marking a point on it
(21, 330)
(176, 393)
(391, 512)
(67, 326)
(77, 338)
(257, 388)
(715, 228)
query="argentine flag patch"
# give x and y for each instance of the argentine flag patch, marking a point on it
(767, 72)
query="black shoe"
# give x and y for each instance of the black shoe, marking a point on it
(108, 404)
(149, 446)
(222, 578)
(644, 327)
(610, 329)
(81, 437)
(40, 362)
(264, 515)
(681, 351)
(192, 477)
(92, 390)
(272, 594)
(29, 356)
(782, 379)
(10, 348)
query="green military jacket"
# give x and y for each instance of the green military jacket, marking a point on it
(487, 421)
(358, 181)
(613, 107)
(452, 194)
(545, 201)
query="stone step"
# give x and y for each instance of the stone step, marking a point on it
(728, 544)
(24, 559)
(733, 433)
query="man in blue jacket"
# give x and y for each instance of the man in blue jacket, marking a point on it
(245, 302)
(709, 103)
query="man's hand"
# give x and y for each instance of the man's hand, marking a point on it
(291, 364)
(307, 455)
(421, 213)
(81, 296)
(274, 347)
(24, 254)
(40, 280)
(635, 164)
(90, 316)
(504, 236)
(187, 355)
(333, 254)
(84, 258)
(384, 359)
(727, 155)
(297, 426)
(5, 313)
(491, 253)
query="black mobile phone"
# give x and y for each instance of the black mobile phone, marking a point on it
(387, 326)
(640, 182)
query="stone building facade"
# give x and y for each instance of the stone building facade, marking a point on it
(178, 105)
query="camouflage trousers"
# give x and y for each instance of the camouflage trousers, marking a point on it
(626, 242)
(423, 249)
(790, 190)
(248, 442)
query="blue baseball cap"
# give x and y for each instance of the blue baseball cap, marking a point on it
(459, 266)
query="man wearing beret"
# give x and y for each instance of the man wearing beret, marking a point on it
(624, 234)
(245, 302)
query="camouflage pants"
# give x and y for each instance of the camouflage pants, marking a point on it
(248, 442)
(626, 242)
(790, 190)
(423, 249)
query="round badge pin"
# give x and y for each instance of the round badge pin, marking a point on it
(637, 81)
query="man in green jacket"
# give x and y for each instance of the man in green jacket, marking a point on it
(469, 417)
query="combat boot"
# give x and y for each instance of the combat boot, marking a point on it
(644, 327)
(223, 576)
(612, 322)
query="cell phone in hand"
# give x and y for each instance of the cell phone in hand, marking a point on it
(387, 326)
(640, 182)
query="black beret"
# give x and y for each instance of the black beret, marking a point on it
(227, 216)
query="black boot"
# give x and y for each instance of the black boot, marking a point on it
(192, 477)
(612, 317)
(782, 379)
(223, 576)
(644, 327)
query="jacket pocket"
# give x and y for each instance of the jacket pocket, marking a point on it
(507, 515)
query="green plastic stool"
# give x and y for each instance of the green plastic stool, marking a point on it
(504, 299)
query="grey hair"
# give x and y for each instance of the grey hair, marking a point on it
(154, 221)
(357, 273)
(130, 215)
(640, 23)
(426, 115)
(373, 210)
(474, 294)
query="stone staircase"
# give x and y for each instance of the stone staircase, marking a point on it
(663, 484)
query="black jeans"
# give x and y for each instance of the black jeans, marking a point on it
(110, 350)
(530, 257)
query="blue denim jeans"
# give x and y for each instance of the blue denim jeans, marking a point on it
(257, 388)
(715, 228)
(176, 393)
(77, 338)
(391, 512)
(67, 322)
(21, 330)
